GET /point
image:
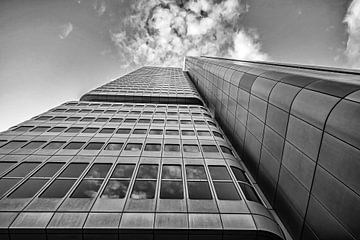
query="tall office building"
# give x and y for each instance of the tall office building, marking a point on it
(163, 153)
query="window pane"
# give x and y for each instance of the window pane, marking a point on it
(116, 120)
(87, 189)
(139, 131)
(144, 120)
(123, 131)
(226, 191)
(226, 150)
(98, 170)
(5, 166)
(203, 133)
(48, 170)
(249, 193)
(216, 134)
(54, 145)
(172, 121)
(158, 121)
(73, 130)
(171, 172)
(172, 132)
(156, 132)
(114, 146)
(90, 130)
(74, 145)
(43, 118)
(199, 190)
(143, 190)
(239, 174)
(116, 189)
(28, 189)
(171, 190)
(22, 128)
(107, 130)
(152, 147)
(148, 171)
(6, 184)
(130, 120)
(199, 122)
(94, 146)
(40, 129)
(172, 148)
(195, 172)
(13, 144)
(57, 129)
(34, 145)
(23, 169)
(209, 148)
(133, 147)
(101, 119)
(188, 132)
(58, 189)
(74, 170)
(219, 173)
(123, 171)
(191, 148)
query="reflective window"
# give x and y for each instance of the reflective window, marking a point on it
(54, 145)
(152, 147)
(226, 191)
(58, 188)
(57, 129)
(188, 132)
(172, 132)
(87, 119)
(249, 192)
(217, 134)
(203, 133)
(123, 131)
(144, 120)
(191, 148)
(133, 147)
(239, 175)
(148, 171)
(22, 129)
(48, 170)
(6, 184)
(199, 122)
(116, 120)
(74, 130)
(28, 189)
(74, 170)
(74, 145)
(130, 120)
(158, 121)
(209, 148)
(34, 145)
(90, 130)
(226, 150)
(101, 119)
(156, 132)
(172, 148)
(123, 171)
(40, 129)
(23, 169)
(143, 189)
(73, 119)
(172, 121)
(43, 118)
(5, 166)
(107, 130)
(199, 190)
(58, 118)
(211, 123)
(219, 173)
(13, 145)
(195, 172)
(94, 146)
(113, 146)
(171, 190)
(185, 121)
(87, 189)
(115, 189)
(139, 131)
(171, 172)
(98, 170)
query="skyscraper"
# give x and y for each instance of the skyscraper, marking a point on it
(164, 153)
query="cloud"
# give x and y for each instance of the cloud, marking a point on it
(65, 30)
(163, 32)
(352, 19)
(99, 7)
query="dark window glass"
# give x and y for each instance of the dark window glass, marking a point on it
(58, 188)
(171, 190)
(156, 132)
(203, 133)
(54, 145)
(130, 120)
(98, 170)
(74, 145)
(73, 119)
(147, 171)
(43, 118)
(188, 132)
(172, 132)
(171, 172)
(216, 134)
(209, 148)
(113, 146)
(171, 121)
(239, 174)
(139, 131)
(23, 169)
(158, 121)
(90, 130)
(22, 128)
(199, 190)
(87, 189)
(94, 146)
(57, 129)
(74, 130)
(226, 150)
(185, 121)
(40, 129)
(249, 193)
(199, 122)
(172, 148)
(48, 170)
(211, 123)
(85, 110)
(101, 119)
(191, 148)
(13, 144)
(5, 166)
(123, 171)
(34, 145)
(195, 172)
(152, 147)
(6, 184)
(226, 191)
(116, 120)
(73, 170)
(219, 173)
(28, 189)
(133, 147)
(87, 119)
(115, 189)
(143, 120)
(107, 130)
(123, 131)
(143, 189)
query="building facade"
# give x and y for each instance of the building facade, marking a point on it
(139, 158)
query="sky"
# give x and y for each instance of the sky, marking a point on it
(55, 51)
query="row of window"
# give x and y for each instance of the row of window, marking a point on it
(112, 111)
(113, 146)
(93, 130)
(128, 105)
(144, 183)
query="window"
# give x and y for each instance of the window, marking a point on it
(13, 144)
(90, 130)
(57, 119)
(158, 121)
(172, 121)
(123, 131)
(147, 171)
(133, 147)
(42, 118)
(145, 183)
(156, 132)
(107, 130)
(143, 120)
(58, 188)
(224, 187)
(219, 173)
(195, 172)
(74, 130)
(22, 129)
(171, 190)
(40, 129)
(171, 172)
(73, 119)
(102, 120)
(211, 123)
(240, 175)
(123, 171)
(203, 133)
(153, 147)
(28, 189)
(139, 131)
(23, 169)
(87, 119)
(117, 188)
(74, 145)
(54, 145)
(199, 122)
(85, 110)
(5, 166)
(172, 148)
(209, 148)
(116, 120)
(94, 146)
(34, 145)
(249, 192)
(6, 184)
(217, 134)
(48, 170)
(114, 146)
(188, 132)
(87, 189)
(73, 170)
(98, 170)
(57, 129)
(199, 190)
(129, 120)
(226, 150)
(172, 132)
(192, 148)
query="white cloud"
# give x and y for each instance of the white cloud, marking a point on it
(352, 20)
(162, 32)
(65, 30)
(99, 7)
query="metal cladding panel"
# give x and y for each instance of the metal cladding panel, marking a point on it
(297, 129)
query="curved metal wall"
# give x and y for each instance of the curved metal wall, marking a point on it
(298, 131)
